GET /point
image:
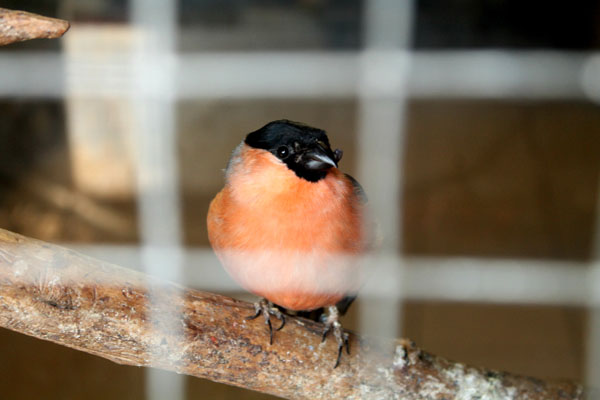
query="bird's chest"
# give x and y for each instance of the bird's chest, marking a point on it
(298, 254)
(304, 219)
(289, 241)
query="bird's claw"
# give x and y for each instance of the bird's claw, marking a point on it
(332, 324)
(267, 309)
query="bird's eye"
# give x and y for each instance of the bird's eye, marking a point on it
(283, 152)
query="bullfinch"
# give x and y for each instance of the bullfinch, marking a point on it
(288, 225)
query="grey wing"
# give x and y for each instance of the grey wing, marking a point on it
(374, 236)
(345, 303)
(359, 192)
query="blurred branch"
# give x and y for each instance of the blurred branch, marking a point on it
(55, 294)
(84, 206)
(18, 26)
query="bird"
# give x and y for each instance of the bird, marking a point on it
(288, 225)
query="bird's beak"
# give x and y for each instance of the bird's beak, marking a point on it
(317, 159)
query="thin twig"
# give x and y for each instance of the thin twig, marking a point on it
(55, 294)
(18, 26)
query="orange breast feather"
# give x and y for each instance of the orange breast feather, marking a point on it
(281, 237)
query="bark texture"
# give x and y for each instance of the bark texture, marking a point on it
(55, 294)
(18, 26)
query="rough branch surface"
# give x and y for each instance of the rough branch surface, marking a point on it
(17, 26)
(55, 294)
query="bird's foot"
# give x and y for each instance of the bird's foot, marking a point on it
(332, 324)
(266, 308)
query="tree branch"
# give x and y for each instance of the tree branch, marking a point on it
(56, 294)
(18, 26)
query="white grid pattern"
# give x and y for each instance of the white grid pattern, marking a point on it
(384, 74)
(494, 74)
(155, 142)
(424, 278)
(382, 98)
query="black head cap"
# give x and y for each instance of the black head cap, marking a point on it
(304, 149)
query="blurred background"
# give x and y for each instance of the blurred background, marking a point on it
(474, 127)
